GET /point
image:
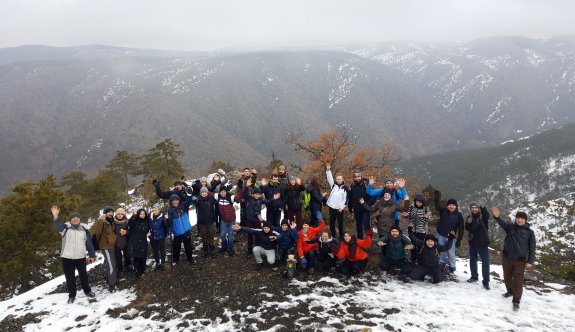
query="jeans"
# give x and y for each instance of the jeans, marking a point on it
(361, 222)
(227, 235)
(483, 252)
(446, 257)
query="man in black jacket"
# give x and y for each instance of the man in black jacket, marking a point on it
(518, 253)
(358, 191)
(477, 225)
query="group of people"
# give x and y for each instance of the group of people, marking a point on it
(302, 244)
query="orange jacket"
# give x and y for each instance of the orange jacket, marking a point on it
(360, 254)
(304, 247)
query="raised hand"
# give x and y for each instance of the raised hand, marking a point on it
(277, 196)
(496, 212)
(327, 166)
(55, 210)
(401, 182)
(293, 225)
(361, 200)
(371, 180)
(254, 171)
(406, 198)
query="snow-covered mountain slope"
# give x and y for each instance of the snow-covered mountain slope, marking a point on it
(328, 304)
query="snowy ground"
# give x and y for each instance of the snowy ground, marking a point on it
(333, 304)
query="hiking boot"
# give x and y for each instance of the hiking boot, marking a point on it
(90, 294)
(507, 294)
(222, 250)
(486, 286)
(259, 266)
(515, 306)
(112, 289)
(71, 300)
(472, 280)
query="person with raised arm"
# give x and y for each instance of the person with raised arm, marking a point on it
(337, 201)
(76, 240)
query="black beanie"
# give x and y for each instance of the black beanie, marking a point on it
(266, 224)
(108, 209)
(430, 237)
(521, 215)
(452, 201)
(284, 222)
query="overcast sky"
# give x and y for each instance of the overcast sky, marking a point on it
(241, 24)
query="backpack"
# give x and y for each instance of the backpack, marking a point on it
(305, 201)
(95, 241)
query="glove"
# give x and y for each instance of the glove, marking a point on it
(457, 243)
(368, 232)
(155, 182)
(303, 261)
(410, 229)
(451, 235)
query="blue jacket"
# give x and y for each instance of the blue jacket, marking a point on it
(269, 191)
(178, 217)
(157, 227)
(253, 205)
(398, 195)
(288, 238)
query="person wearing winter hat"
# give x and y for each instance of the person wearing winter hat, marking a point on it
(275, 199)
(158, 229)
(288, 240)
(227, 212)
(396, 243)
(254, 200)
(179, 189)
(477, 224)
(104, 231)
(419, 215)
(386, 208)
(178, 222)
(76, 240)
(306, 248)
(518, 253)
(428, 256)
(397, 189)
(247, 173)
(450, 220)
(121, 248)
(205, 211)
(266, 242)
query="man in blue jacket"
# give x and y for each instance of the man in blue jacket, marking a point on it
(178, 219)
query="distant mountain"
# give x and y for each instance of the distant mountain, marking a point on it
(514, 174)
(72, 108)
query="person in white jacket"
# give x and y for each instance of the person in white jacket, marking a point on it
(336, 202)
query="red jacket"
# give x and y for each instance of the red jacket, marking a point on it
(226, 206)
(360, 254)
(304, 247)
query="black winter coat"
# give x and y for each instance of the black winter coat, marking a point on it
(429, 257)
(205, 209)
(137, 240)
(477, 226)
(356, 192)
(293, 197)
(519, 242)
(263, 239)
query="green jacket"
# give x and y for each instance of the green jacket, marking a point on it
(395, 248)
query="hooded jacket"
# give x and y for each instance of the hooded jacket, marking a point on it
(360, 253)
(178, 217)
(157, 225)
(429, 257)
(477, 226)
(288, 238)
(105, 232)
(138, 240)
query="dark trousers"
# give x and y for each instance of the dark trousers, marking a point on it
(513, 275)
(159, 249)
(325, 262)
(387, 263)
(419, 273)
(282, 254)
(273, 216)
(177, 247)
(207, 232)
(295, 216)
(310, 257)
(483, 252)
(415, 251)
(351, 268)
(70, 266)
(140, 265)
(243, 218)
(336, 216)
(251, 237)
(122, 259)
(361, 222)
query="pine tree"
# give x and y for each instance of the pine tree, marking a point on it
(125, 164)
(29, 244)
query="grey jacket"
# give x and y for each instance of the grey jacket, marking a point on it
(75, 241)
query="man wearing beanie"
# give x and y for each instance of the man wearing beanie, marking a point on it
(266, 242)
(477, 224)
(105, 232)
(450, 220)
(518, 253)
(76, 241)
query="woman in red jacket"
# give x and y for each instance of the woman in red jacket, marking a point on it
(306, 249)
(353, 253)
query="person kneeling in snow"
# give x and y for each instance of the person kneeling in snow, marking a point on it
(266, 241)
(352, 255)
(307, 249)
(428, 256)
(395, 243)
